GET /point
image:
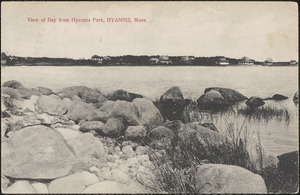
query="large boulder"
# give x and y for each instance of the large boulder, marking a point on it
(219, 178)
(259, 158)
(125, 111)
(74, 183)
(36, 152)
(148, 114)
(114, 127)
(79, 111)
(88, 150)
(172, 103)
(279, 97)
(296, 97)
(20, 187)
(13, 84)
(229, 95)
(10, 92)
(211, 100)
(26, 93)
(51, 105)
(45, 91)
(254, 102)
(97, 115)
(161, 137)
(88, 95)
(289, 165)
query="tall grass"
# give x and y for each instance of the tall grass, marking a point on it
(175, 170)
(265, 113)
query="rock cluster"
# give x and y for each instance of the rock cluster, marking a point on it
(80, 141)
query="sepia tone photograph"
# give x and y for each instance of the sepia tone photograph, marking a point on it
(149, 97)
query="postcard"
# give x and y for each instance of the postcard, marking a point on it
(149, 97)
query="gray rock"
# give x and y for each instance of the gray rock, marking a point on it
(161, 137)
(219, 178)
(135, 132)
(88, 150)
(40, 188)
(12, 93)
(13, 84)
(211, 100)
(172, 103)
(254, 102)
(91, 125)
(229, 95)
(26, 93)
(79, 111)
(36, 152)
(4, 183)
(258, 155)
(88, 95)
(126, 112)
(20, 187)
(113, 127)
(51, 105)
(148, 114)
(74, 183)
(45, 91)
(97, 115)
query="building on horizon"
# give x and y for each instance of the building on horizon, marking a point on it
(246, 61)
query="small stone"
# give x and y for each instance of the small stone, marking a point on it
(128, 151)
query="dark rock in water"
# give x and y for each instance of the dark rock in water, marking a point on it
(172, 104)
(13, 84)
(119, 95)
(211, 100)
(229, 95)
(210, 126)
(45, 91)
(134, 96)
(26, 93)
(254, 102)
(296, 97)
(289, 165)
(279, 97)
(36, 152)
(187, 102)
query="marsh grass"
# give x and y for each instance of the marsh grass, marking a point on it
(175, 169)
(265, 113)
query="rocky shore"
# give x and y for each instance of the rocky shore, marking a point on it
(79, 140)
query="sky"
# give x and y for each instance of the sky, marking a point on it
(258, 30)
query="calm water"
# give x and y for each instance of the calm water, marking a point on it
(277, 136)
